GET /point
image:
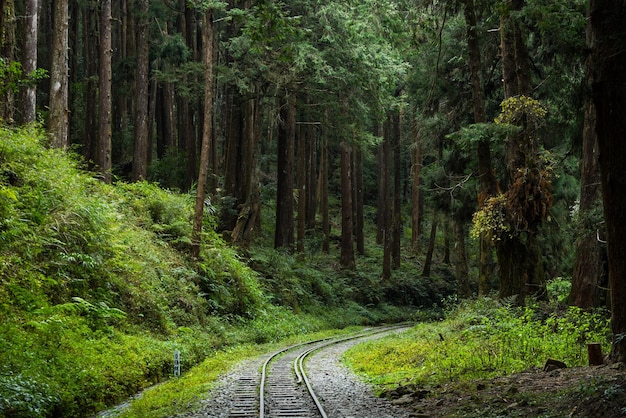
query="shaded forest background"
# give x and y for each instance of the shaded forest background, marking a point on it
(422, 149)
(388, 105)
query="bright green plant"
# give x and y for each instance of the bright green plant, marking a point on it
(480, 340)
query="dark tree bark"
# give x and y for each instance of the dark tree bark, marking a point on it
(416, 192)
(347, 223)
(447, 232)
(103, 155)
(519, 257)
(486, 177)
(396, 216)
(142, 82)
(198, 217)
(385, 204)
(608, 49)
(323, 192)
(283, 237)
(91, 54)
(59, 77)
(588, 260)
(301, 184)
(428, 262)
(123, 42)
(358, 202)
(382, 187)
(249, 211)
(461, 266)
(29, 60)
(311, 178)
(7, 52)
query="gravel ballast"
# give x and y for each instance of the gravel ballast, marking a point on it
(342, 393)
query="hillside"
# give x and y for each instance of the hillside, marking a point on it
(98, 290)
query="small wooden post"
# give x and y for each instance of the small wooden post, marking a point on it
(594, 352)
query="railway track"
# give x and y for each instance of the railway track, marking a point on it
(281, 388)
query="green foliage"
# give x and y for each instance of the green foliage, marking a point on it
(480, 339)
(12, 76)
(94, 292)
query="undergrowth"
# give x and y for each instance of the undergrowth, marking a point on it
(480, 339)
(97, 289)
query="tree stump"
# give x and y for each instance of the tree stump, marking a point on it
(594, 353)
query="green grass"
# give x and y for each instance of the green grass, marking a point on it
(185, 393)
(479, 340)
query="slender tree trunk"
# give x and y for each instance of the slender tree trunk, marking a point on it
(397, 191)
(416, 192)
(461, 266)
(382, 186)
(29, 60)
(90, 30)
(588, 260)
(608, 51)
(428, 262)
(311, 201)
(7, 52)
(385, 204)
(447, 232)
(140, 153)
(59, 77)
(301, 180)
(103, 155)
(347, 223)
(198, 217)
(323, 192)
(358, 202)
(284, 194)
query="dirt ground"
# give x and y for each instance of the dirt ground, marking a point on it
(598, 391)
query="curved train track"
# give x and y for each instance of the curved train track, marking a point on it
(282, 388)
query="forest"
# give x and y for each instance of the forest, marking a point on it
(203, 174)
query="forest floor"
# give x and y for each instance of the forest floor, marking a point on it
(598, 391)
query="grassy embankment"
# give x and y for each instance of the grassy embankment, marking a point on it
(481, 339)
(97, 289)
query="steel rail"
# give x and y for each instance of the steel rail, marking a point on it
(298, 364)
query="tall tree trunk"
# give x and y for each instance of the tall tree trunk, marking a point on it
(29, 60)
(198, 217)
(385, 204)
(520, 259)
(103, 156)
(588, 259)
(416, 192)
(301, 180)
(460, 263)
(323, 192)
(248, 193)
(90, 31)
(428, 262)
(120, 99)
(140, 153)
(487, 179)
(187, 131)
(379, 129)
(358, 202)
(283, 237)
(347, 223)
(59, 77)
(7, 53)
(397, 191)
(608, 51)
(311, 178)
(447, 232)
